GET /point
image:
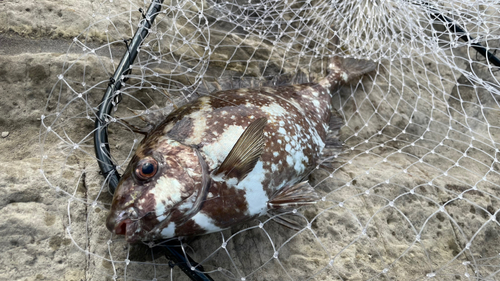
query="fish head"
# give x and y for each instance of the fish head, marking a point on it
(161, 185)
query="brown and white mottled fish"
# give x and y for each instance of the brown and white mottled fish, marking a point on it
(226, 158)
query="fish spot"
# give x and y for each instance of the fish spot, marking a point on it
(168, 231)
(205, 222)
(232, 181)
(344, 76)
(274, 167)
(274, 109)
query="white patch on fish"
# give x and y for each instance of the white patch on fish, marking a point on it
(169, 231)
(298, 156)
(218, 151)
(274, 109)
(205, 222)
(255, 194)
(232, 181)
(169, 190)
(344, 76)
(274, 167)
(186, 205)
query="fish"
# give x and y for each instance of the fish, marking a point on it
(229, 157)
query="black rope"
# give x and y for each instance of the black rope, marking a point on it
(101, 145)
(113, 97)
(174, 254)
(462, 34)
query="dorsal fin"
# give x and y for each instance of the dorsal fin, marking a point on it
(245, 153)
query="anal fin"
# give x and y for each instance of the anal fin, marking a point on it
(293, 196)
(285, 219)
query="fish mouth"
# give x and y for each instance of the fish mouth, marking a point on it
(129, 228)
(121, 225)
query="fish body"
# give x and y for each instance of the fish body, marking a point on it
(226, 158)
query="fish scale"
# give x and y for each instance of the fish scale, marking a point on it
(227, 158)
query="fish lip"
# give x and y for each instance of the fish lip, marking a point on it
(119, 226)
(123, 223)
(131, 234)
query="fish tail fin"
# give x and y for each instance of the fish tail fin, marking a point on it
(348, 69)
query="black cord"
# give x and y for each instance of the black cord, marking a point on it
(174, 254)
(101, 144)
(463, 35)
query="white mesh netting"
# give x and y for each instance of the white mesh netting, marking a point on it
(413, 195)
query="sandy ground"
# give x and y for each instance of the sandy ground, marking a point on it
(356, 229)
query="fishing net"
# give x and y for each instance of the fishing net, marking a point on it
(414, 192)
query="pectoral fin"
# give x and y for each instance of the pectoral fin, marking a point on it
(245, 153)
(293, 196)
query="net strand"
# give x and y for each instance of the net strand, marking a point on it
(414, 192)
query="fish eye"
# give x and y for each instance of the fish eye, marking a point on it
(146, 169)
